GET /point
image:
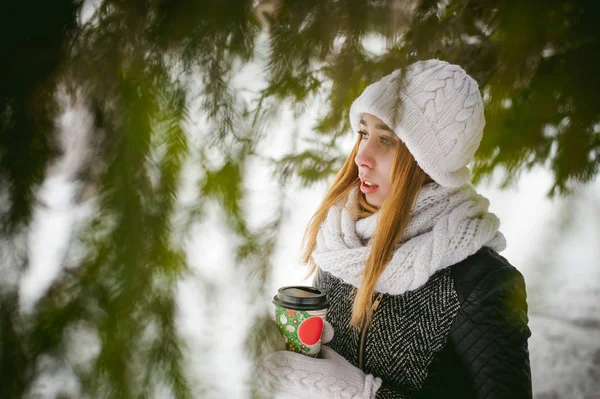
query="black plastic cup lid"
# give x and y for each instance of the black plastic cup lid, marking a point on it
(301, 298)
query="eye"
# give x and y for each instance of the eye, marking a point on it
(363, 134)
(387, 140)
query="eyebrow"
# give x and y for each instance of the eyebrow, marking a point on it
(381, 126)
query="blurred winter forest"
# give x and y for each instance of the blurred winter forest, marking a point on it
(176, 137)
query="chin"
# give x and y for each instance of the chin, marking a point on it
(373, 201)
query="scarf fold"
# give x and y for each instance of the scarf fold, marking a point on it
(447, 225)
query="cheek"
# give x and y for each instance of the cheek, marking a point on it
(386, 175)
(387, 170)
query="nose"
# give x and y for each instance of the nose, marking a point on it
(364, 157)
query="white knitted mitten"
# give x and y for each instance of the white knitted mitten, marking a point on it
(304, 377)
(327, 335)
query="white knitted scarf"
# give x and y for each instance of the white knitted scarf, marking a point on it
(447, 225)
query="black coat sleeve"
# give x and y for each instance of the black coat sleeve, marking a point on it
(486, 356)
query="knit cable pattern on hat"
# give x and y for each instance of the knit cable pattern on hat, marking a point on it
(436, 109)
(446, 226)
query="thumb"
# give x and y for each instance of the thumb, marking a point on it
(327, 335)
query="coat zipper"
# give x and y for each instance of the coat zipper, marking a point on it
(364, 333)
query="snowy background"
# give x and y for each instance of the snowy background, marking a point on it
(554, 243)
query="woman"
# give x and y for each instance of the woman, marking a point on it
(422, 305)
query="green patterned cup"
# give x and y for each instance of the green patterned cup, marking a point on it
(300, 313)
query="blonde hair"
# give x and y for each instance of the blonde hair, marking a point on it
(407, 178)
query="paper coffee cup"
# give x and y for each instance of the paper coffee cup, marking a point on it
(300, 314)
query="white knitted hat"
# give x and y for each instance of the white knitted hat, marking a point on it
(440, 120)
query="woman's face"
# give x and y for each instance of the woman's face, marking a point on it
(375, 158)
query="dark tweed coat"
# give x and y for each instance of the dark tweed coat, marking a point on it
(463, 334)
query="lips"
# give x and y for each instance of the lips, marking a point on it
(368, 187)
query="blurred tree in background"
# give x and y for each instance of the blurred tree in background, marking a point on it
(142, 69)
